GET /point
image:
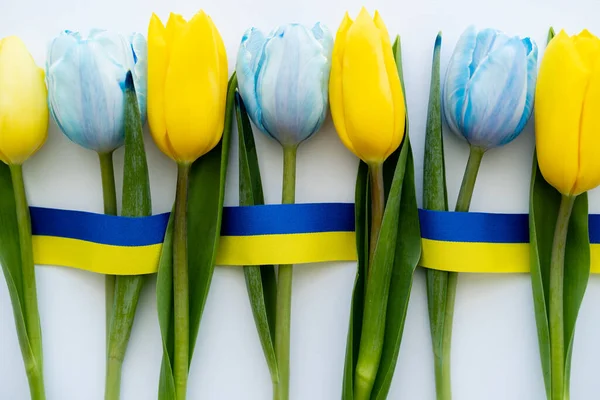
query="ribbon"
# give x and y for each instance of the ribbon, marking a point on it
(285, 234)
(258, 235)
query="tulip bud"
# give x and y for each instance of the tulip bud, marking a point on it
(367, 103)
(187, 85)
(86, 84)
(489, 87)
(23, 106)
(283, 79)
(567, 122)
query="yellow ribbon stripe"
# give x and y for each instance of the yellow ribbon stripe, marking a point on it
(286, 249)
(233, 250)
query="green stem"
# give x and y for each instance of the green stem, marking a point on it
(284, 287)
(443, 381)
(109, 193)
(180, 283)
(34, 368)
(368, 362)
(556, 294)
(113, 379)
(377, 206)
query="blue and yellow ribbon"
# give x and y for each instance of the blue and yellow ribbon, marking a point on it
(270, 234)
(285, 234)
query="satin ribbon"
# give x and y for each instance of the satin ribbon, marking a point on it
(271, 234)
(285, 234)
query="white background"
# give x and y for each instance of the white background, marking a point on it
(495, 353)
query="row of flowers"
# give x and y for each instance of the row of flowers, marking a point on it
(287, 81)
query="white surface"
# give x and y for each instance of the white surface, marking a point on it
(495, 353)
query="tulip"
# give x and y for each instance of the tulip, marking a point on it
(187, 85)
(283, 79)
(367, 103)
(489, 87)
(86, 83)
(369, 113)
(23, 130)
(187, 93)
(567, 123)
(487, 98)
(23, 107)
(566, 115)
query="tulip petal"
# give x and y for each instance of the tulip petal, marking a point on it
(116, 47)
(223, 78)
(532, 55)
(496, 96)
(587, 46)
(290, 85)
(60, 45)
(336, 98)
(458, 75)
(247, 67)
(158, 59)
(86, 97)
(194, 92)
(175, 29)
(367, 95)
(560, 92)
(23, 105)
(484, 44)
(395, 86)
(588, 176)
(140, 70)
(323, 35)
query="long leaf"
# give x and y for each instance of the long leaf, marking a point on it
(406, 258)
(10, 259)
(260, 280)
(205, 209)
(543, 212)
(362, 219)
(164, 301)
(435, 197)
(136, 203)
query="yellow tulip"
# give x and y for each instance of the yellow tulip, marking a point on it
(567, 113)
(187, 85)
(23, 103)
(365, 94)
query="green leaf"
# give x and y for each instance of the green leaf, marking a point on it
(10, 260)
(260, 280)
(136, 203)
(543, 212)
(164, 300)
(406, 257)
(362, 206)
(435, 197)
(205, 209)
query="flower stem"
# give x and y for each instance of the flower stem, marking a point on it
(377, 206)
(556, 293)
(368, 361)
(443, 372)
(34, 367)
(180, 283)
(109, 193)
(284, 287)
(113, 379)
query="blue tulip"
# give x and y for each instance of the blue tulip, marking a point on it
(490, 86)
(86, 83)
(283, 80)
